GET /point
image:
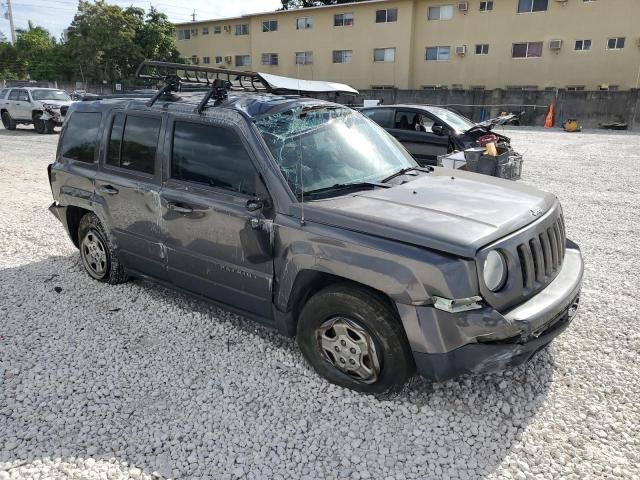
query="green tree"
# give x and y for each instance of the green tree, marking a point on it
(35, 52)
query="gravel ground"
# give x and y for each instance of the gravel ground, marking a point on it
(135, 381)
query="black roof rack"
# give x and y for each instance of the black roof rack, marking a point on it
(219, 81)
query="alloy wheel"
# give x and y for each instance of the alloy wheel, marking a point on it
(94, 254)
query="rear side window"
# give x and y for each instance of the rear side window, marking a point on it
(133, 142)
(13, 95)
(213, 156)
(381, 116)
(81, 136)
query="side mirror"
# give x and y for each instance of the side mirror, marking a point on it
(254, 204)
(437, 129)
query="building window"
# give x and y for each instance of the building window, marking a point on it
(205, 30)
(444, 12)
(583, 45)
(270, 26)
(382, 87)
(217, 29)
(184, 34)
(343, 20)
(387, 15)
(342, 56)
(304, 23)
(206, 60)
(384, 54)
(529, 6)
(269, 59)
(218, 59)
(482, 49)
(437, 53)
(486, 6)
(616, 43)
(194, 60)
(243, 60)
(575, 88)
(242, 29)
(304, 58)
(527, 50)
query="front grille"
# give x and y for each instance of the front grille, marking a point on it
(63, 111)
(541, 257)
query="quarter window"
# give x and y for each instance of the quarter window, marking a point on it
(133, 142)
(81, 137)
(528, 6)
(213, 156)
(384, 54)
(270, 26)
(527, 50)
(342, 56)
(616, 43)
(13, 95)
(304, 23)
(583, 45)
(437, 53)
(304, 58)
(387, 15)
(444, 12)
(486, 6)
(343, 20)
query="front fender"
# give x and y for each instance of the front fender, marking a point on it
(407, 274)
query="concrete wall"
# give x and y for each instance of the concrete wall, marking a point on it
(591, 108)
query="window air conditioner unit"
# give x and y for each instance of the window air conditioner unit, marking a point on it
(228, 58)
(555, 44)
(463, 6)
(227, 28)
(461, 50)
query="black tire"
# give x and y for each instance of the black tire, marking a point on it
(372, 314)
(7, 121)
(50, 126)
(39, 125)
(98, 255)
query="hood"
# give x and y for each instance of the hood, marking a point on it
(502, 120)
(57, 103)
(451, 211)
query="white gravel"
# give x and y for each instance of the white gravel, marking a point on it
(135, 381)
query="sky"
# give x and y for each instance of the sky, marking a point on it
(56, 15)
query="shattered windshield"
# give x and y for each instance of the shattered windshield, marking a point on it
(320, 146)
(457, 122)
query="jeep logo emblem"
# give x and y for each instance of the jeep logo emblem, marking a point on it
(536, 211)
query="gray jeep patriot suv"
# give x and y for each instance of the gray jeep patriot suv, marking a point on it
(308, 217)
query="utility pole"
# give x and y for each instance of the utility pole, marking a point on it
(193, 16)
(10, 17)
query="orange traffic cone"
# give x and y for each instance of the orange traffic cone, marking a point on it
(548, 123)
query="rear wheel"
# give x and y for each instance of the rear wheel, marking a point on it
(354, 339)
(7, 121)
(99, 258)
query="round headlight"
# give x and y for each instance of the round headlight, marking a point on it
(495, 270)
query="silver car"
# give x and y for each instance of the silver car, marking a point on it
(44, 108)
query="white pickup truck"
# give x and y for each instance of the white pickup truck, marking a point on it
(44, 108)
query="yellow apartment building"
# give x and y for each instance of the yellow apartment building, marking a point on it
(416, 44)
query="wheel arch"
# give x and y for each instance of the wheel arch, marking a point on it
(73, 217)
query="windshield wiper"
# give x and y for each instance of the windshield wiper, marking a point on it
(345, 186)
(402, 171)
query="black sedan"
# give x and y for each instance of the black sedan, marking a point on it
(428, 131)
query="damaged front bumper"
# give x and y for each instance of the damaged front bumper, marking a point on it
(446, 345)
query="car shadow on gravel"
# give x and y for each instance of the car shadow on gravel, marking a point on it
(104, 377)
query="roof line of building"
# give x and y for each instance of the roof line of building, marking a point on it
(272, 12)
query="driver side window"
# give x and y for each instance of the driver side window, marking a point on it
(212, 155)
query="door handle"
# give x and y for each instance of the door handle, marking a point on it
(108, 189)
(179, 208)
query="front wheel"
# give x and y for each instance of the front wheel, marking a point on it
(43, 126)
(99, 258)
(354, 339)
